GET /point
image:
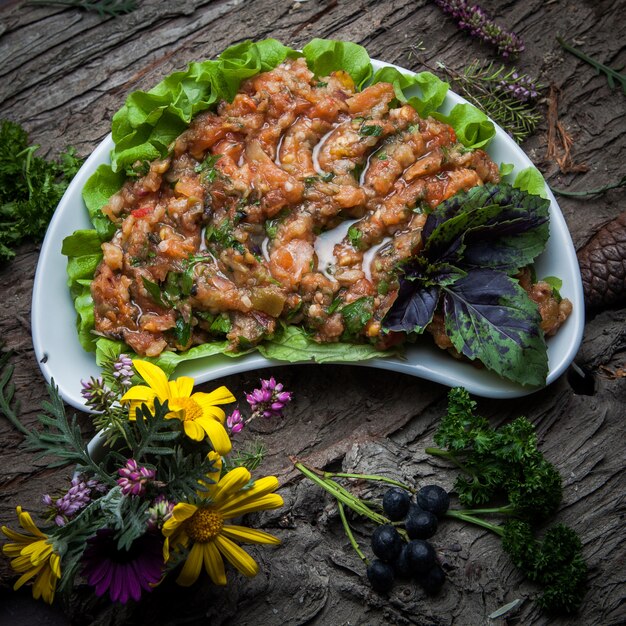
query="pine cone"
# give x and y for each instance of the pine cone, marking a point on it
(603, 265)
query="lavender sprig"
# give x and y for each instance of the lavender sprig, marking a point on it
(73, 501)
(476, 21)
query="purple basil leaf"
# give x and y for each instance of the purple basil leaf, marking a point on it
(490, 226)
(489, 317)
(413, 309)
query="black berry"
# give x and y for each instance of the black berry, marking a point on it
(380, 576)
(432, 581)
(401, 565)
(421, 556)
(396, 503)
(433, 498)
(386, 543)
(420, 524)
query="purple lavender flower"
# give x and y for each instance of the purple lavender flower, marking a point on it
(97, 395)
(472, 18)
(270, 400)
(77, 497)
(134, 478)
(123, 573)
(123, 370)
(521, 88)
(235, 422)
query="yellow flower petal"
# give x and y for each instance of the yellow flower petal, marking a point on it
(221, 395)
(248, 535)
(26, 577)
(212, 477)
(55, 565)
(182, 511)
(184, 387)
(38, 552)
(270, 501)
(155, 377)
(261, 487)
(218, 436)
(191, 570)
(237, 556)
(15, 536)
(213, 564)
(193, 430)
(26, 522)
(139, 393)
(231, 483)
(208, 410)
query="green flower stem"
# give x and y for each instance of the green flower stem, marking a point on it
(348, 530)
(373, 477)
(341, 494)
(590, 192)
(466, 517)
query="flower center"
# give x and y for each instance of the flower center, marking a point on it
(204, 524)
(189, 409)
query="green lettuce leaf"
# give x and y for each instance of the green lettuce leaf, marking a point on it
(531, 180)
(472, 127)
(432, 90)
(324, 56)
(295, 346)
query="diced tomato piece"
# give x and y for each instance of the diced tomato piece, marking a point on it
(142, 211)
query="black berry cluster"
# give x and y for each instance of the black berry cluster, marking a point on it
(416, 558)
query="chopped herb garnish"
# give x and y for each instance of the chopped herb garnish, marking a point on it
(370, 130)
(207, 169)
(355, 236)
(381, 156)
(327, 177)
(356, 315)
(182, 331)
(155, 292)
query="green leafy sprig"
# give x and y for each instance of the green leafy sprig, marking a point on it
(612, 76)
(30, 188)
(103, 8)
(491, 88)
(505, 463)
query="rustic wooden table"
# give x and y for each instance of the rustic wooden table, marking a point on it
(65, 72)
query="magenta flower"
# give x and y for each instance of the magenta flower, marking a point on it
(124, 574)
(270, 400)
(123, 370)
(134, 478)
(235, 422)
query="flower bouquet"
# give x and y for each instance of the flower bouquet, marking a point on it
(156, 493)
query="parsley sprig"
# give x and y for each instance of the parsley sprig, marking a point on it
(505, 464)
(30, 188)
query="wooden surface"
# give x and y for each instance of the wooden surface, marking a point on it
(63, 73)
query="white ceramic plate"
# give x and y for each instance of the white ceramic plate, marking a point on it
(62, 358)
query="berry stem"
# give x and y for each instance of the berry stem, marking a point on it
(509, 509)
(342, 495)
(466, 517)
(348, 530)
(374, 477)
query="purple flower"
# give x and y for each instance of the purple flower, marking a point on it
(123, 370)
(123, 573)
(77, 497)
(134, 478)
(97, 395)
(270, 400)
(472, 18)
(235, 422)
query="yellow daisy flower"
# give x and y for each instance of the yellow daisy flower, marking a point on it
(198, 412)
(202, 529)
(32, 555)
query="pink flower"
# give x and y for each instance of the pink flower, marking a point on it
(134, 478)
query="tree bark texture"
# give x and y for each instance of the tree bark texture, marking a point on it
(65, 72)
